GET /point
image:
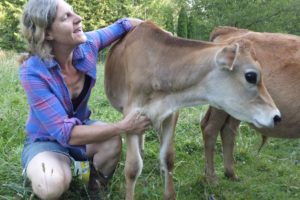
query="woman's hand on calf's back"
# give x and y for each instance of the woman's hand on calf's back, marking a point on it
(135, 21)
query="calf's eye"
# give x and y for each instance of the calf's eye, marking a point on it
(251, 77)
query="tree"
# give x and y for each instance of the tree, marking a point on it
(182, 23)
(192, 27)
(95, 13)
(9, 25)
(257, 15)
(169, 23)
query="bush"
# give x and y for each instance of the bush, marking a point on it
(10, 13)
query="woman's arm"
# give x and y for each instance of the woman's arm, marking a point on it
(133, 123)
(49, 111)
(105, 36)
(48, 115)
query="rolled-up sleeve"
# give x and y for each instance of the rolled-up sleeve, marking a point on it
(105, 36)
(47, 114)
(68, 125)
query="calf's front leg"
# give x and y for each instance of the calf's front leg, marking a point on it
(228, 134)
(167, 154)
(133, 165)
(211, 124)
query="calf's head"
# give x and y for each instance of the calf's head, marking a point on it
(236, 86)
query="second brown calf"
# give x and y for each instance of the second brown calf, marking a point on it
(279, 56)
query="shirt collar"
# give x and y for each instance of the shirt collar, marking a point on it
(50, 63)
(78, 53)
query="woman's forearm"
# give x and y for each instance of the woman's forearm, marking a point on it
(133, 123)
(87, 134)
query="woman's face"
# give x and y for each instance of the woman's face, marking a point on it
(66, 29)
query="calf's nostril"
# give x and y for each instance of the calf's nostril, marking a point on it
(276, 119)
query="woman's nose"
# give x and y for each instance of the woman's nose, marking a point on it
(78, 19)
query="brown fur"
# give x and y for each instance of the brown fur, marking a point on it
(279, 55)
(155, 73)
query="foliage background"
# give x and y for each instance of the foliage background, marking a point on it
(193, 19)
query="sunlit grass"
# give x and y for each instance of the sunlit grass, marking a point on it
(273, 174)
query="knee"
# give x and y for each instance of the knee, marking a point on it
(167, 160)
(51, 187)
(133, 171)
(133, 168)
(108, 156)
(170, 160)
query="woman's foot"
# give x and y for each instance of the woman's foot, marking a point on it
(98, 183)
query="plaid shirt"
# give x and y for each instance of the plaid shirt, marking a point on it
(51, 114)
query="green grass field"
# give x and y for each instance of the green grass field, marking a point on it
(274, 174)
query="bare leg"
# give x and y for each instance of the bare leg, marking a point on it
(228, 135)
(211, 124)
(106, 155)
(50, 174)
(167, 154)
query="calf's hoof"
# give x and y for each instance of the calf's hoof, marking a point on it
(232, 176)
(170, 197)
(211, 179)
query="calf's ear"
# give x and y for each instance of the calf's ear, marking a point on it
(227, 56)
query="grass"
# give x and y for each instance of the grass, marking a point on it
(272, 175)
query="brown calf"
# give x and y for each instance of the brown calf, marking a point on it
(279, 56)
(155, 73)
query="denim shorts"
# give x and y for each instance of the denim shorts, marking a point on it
(32, 149)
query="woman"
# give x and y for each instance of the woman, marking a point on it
(58, 77)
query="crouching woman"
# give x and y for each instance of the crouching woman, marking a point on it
(58, 76)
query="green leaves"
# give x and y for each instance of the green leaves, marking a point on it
(195, 20)
(182, 23)
(257, 15)
(10, 13)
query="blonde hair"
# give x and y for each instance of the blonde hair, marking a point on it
(37, 18)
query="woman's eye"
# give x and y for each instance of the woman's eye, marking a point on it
(66, 16)
(251, 77)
